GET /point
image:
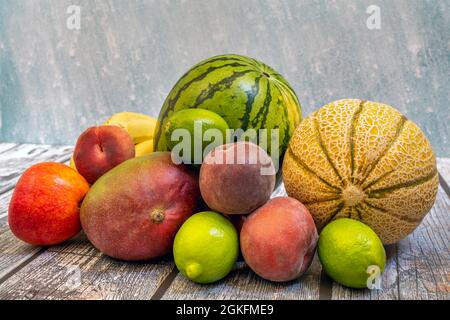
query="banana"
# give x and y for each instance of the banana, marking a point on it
(72, 164)
(143, 148)
(140, 126)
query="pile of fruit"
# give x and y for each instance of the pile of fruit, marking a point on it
(357, 172)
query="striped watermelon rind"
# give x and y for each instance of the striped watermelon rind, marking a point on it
(245, 92)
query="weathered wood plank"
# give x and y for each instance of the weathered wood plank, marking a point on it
(424, 256)
(77, 245)
(242, 283)
(418, 266)
(389, 283)
(13, 161)
(101, 277)
(13, 252)
(72, 276)
(443, 165)
(4, 203)
(423, 270)
(389, 278)
(4, 146)
(16, 160)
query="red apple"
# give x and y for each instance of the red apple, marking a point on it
(99, 149)
(45, 205)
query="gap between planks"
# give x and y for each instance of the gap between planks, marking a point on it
(168, 280)
(444, 185)
(325, 289)
(22, 263)
(14, 159)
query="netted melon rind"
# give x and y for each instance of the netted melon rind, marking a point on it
(373, 147)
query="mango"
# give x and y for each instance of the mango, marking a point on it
(134, 210)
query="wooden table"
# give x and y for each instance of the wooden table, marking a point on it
(418, 267)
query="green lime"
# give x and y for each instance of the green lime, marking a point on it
(351, 252)
(196, 136)
(206, 247)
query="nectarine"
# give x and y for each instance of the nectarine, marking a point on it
(44, 208)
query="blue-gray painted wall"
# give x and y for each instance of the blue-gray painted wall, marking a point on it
(55, 82)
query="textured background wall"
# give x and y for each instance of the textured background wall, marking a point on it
(54, 82)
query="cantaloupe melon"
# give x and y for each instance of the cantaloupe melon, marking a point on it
(363, 160)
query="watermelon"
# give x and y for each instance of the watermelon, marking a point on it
(247, 93)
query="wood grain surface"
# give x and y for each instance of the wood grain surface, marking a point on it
(424, 258)
(242, 283)
(14, 159)
(55, 82)
(14, 162)
(418, 267)
(443, 165)
(76, 276)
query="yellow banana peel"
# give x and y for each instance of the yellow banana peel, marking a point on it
(143, 148)
(140, 127)
(72, 164)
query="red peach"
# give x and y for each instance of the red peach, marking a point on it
(99, 149)
(278, 240)
(44, 208)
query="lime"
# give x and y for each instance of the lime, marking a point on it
(195, 122)
(206, 247)
(349, 252)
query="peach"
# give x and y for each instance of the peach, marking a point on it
(237, 178)
(45, 205)
(99, 149)
(278, 241)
